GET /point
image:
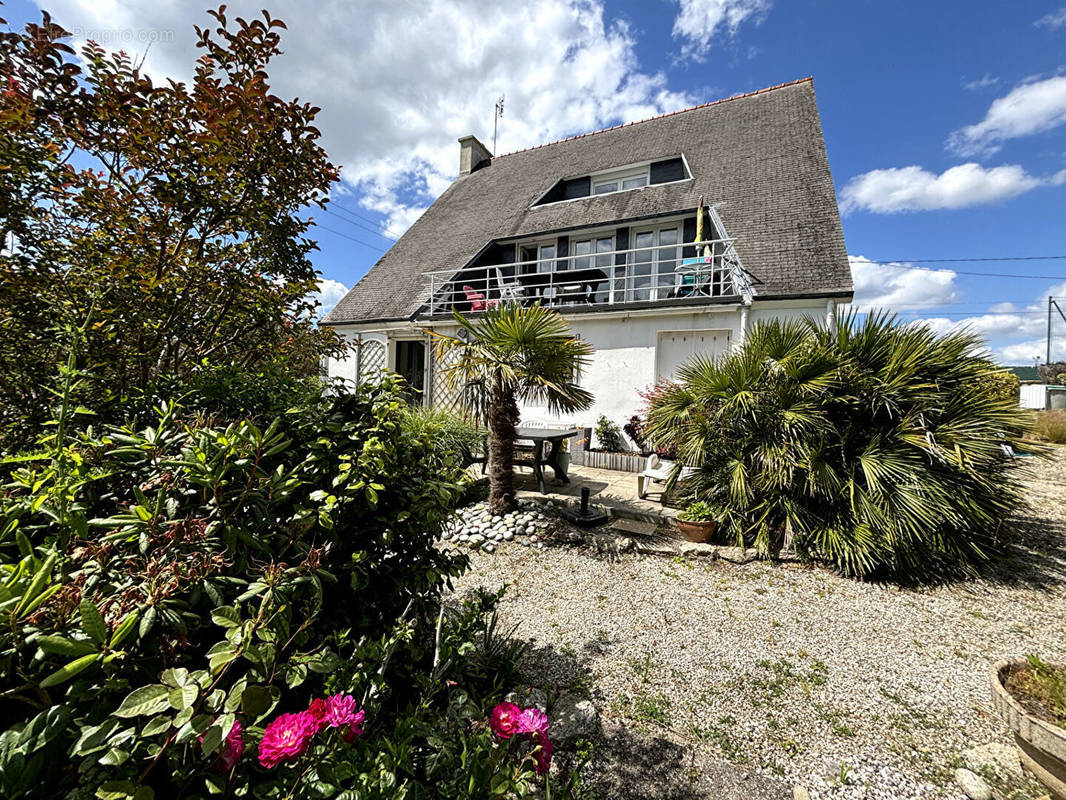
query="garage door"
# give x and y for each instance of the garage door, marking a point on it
(674, 348)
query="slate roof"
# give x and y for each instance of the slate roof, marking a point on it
(760, 157)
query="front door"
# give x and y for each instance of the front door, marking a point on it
(411, 365)
(675, 348)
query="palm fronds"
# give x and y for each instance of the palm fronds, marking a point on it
(869, 444)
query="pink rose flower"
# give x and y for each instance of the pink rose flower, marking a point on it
(232, 748)
(286, 738)
(504, 720)
(355, 727)
(543, 753)
(533, 720)
(341, 713)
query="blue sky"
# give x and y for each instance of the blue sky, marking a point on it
(945, 122)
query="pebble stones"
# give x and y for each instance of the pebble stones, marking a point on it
(972, 785)
(477, 529)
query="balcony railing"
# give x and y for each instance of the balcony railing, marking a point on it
(681, 273)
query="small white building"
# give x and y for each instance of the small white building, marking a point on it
(604, 228)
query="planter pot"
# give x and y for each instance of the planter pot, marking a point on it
(696, 531)
(1041, 745)
(564, 461)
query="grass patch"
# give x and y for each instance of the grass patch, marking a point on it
(1050, 426)
(1041, 689)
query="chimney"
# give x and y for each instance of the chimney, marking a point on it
(472, 155)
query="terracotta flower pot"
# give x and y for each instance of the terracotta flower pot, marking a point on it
(1041, 745)
(696, 531)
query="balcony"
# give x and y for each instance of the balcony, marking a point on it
(686, 273)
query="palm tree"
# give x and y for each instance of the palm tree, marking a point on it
(509, 355)
(871, 444)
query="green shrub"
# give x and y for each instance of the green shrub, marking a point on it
(871, 445)
(699, 511)
(609, 436)
(454, 436)
(162, 586)
(1004, 386)
(1049, 426)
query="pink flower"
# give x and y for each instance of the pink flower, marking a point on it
(355, 727)
(543, 753)
(341, 713)
(533, 720)
(504, 720)
(232, 748)
(286, 738)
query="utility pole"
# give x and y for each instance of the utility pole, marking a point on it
(495, 119)
(1052, 302)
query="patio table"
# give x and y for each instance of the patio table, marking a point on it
(588, 278)
(553, 438)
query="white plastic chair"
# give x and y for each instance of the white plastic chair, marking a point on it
(659, 471)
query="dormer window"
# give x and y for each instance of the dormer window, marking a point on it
(620, 180)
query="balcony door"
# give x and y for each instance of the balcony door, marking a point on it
(656, 254)
(594, 253)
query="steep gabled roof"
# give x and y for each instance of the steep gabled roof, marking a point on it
(759, 157)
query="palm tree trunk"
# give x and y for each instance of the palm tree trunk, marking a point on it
(503, 417)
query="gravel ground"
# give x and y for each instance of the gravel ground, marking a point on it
(849, 689)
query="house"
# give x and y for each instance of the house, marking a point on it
(603, 227)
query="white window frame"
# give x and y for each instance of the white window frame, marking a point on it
(656, 290)
(618, 177)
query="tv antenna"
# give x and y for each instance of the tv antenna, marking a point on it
(495, 120)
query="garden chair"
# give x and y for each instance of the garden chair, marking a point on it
(656, 470)
(511, 290)
(477, 299)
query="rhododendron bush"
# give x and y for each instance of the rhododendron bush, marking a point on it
(248, 610)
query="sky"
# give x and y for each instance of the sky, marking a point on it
(945, 122)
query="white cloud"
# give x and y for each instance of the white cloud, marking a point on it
(1053, 20)
(328, 295)
(400, 81)
(895, 189)
(898, 287)
(1022, 353)
(1027, 109)
(981, 83)
(699, 21)
(1001, 308)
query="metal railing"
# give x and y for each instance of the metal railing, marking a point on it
(682, 271)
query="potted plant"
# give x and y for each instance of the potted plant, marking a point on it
(697, 522)
(1030, 696)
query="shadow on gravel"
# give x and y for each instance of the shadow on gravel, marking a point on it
(631, 764)
(634, 765)
(1034, 557)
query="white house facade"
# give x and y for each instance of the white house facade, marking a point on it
(657, 241)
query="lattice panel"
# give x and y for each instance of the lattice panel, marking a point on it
(445, 395)
(371, 360)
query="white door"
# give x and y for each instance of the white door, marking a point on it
(674, 348)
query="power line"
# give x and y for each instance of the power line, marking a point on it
(984, 258)
(359, 225)
(352, 238)
(897, 265)
(348, 210)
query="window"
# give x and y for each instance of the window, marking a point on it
(620, 181)
(651, 274)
